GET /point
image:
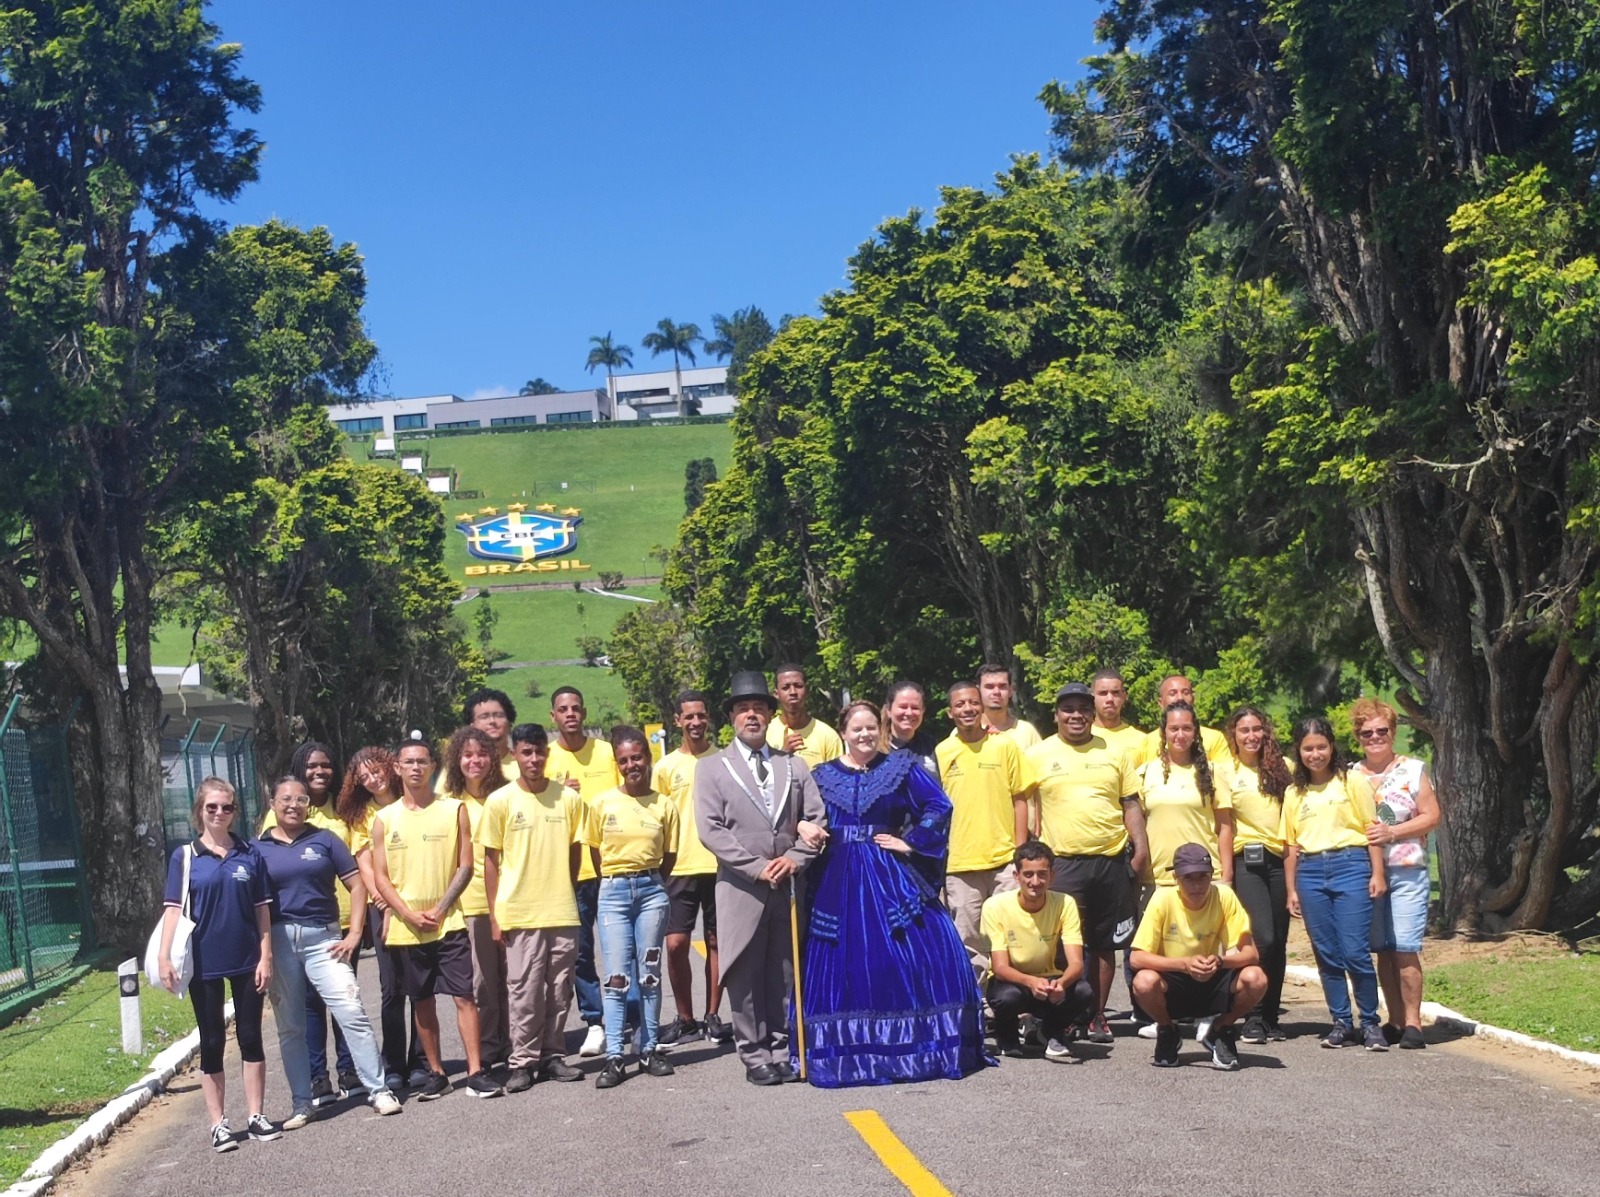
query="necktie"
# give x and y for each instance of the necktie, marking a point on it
(761, 767)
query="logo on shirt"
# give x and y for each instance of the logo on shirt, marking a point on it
(521, 535)
(240, 873)
(611, 822)
(518, 820)
(310, 853)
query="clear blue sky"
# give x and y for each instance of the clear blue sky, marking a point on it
(520, 176)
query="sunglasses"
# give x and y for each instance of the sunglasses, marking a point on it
(219, 810)
(1374, 733)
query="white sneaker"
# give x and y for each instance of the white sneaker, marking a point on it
(1147, 1030)
(1202, 1030)
(385, 1102)
(594, 1043)
(298, 1119)
(1057, 1051)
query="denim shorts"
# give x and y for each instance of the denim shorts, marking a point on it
(1400, 917)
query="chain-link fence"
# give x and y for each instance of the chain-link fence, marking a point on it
(208, 750)
(43, 896)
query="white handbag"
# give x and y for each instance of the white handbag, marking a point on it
(182, 963)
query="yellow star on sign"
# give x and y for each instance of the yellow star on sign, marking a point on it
(517, 508)
(545, 507)
(464, 518)
(488, 511)
(569, 511)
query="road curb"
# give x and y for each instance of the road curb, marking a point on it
(1454, 1020)
(97, 1128)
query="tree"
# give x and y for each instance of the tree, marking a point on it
(118, 124)
(698, 474)
(652, 649)
(739, 338)
(608, 356)
(678, 340)
(538, 386)
(591, 649)
(1419, 178)
(484, 618)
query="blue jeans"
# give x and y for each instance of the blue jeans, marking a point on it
(1337, 909)
(301, 961)
(632, 922)
(317, 1035)
(585, 981)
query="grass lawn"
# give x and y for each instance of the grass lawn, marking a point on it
(63, 1060)
(602, 691)
(1550, 995)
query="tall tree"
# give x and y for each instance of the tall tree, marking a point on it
(118, 122)
(698, 474)
(607, 355)
(739, 338)
(678, 340)
(1423, 176)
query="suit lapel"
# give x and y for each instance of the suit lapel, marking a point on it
(780, 787)
(739, 769)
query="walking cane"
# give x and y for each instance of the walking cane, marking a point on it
(799, 1007)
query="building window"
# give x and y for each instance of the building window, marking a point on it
(507, 421)
(419, 420)
(570, 417)
(705, 390)
(457, 424)
(356, 427)
(635, 396)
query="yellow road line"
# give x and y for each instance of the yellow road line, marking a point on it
(700, 946)
(895, 1155)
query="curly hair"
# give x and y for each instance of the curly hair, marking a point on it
(1202, 766)
(455, 781)
(1316, 725)
(355, 800)
(1272, 770)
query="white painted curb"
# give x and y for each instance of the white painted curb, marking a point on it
(56, 1158)
(1434, 1012)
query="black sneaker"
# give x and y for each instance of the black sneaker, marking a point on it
(717, 1031)
(1223, 1057)
(1391, 1034)
(1374, 1040)
(1010, 1047)
(259, 1128)
(519, 1080)
(678, 1030)
(557, 1069)
(350, 1085)
(1255, 1030)
(1342, 1035)
(657, 1064)
(433, 1088)
(323, 1093)
(1167, 1041)
(1276, 1033)
(481, 1084)
(222, 1138)
(1099, 1030)
(1411, 1039)
(418, 1078)
(612, 1075)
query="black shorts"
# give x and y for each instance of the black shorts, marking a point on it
(689, 896)
(443, 966)
(1188, 998)
(1103, 888)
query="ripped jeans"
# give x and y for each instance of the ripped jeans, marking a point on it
(300, 960)
(632, 923)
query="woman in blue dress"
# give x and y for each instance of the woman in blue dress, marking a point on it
(888, 993)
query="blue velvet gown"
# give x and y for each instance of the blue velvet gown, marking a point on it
(889, 992)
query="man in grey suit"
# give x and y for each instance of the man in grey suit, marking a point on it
(748, 800)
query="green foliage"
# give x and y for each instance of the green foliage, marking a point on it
(697, 475)
(653, 651)
(607, 355)
(484, 617)
(739, 338)
(538, 386)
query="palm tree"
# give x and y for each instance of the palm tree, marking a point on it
(739, 336)
(610, 356)
(678, 340)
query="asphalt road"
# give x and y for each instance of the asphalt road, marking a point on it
(1456, 1119)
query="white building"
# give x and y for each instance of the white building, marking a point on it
(655, 394)
(441, 412)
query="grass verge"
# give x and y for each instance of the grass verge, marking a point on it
(1550, 997)
(63, 1060)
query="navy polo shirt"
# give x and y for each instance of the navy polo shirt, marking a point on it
(303, 874)
(224, 892)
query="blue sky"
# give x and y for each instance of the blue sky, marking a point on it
(521, 176)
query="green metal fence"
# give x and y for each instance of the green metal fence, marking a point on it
(208, 750)
(44, 901)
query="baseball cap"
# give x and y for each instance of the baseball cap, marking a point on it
(1190, 860)
(1074, 690)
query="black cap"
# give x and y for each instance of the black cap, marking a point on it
(1074, 690)
(749, 683)
(1190, 860)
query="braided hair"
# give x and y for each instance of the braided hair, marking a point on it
(1202, 766)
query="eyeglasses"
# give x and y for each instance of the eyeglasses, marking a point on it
(1374, 733)
(219, 810)
(291, 800)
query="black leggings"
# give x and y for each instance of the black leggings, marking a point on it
(208, 998)
(400, 1057)
(1261, 890)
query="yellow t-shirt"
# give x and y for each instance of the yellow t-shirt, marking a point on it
(1030, 939)
(1126, 739)
(1334, 814)
(1176, 813)
(822, 743)
(674, 777)
(1021, 733)
(1212, 740)
(1081, 788)
(592, 770)
(474, 899)
(534, 834)
(358, 839)
(1171, 929)
(633, 834)
(981, 780)
(419, 847)
(1257, 817)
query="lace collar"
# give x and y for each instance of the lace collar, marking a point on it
(856, 790)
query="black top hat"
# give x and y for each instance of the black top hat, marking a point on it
(749, 683)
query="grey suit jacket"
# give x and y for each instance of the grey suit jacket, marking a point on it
(735, 828)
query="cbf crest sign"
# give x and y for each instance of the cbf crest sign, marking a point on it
(520, 536)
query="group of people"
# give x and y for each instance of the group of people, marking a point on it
(923, 890)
